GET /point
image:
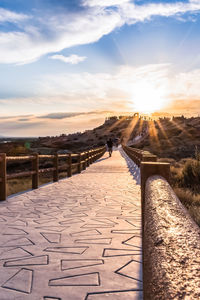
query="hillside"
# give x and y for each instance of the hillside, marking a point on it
(176, 138)
(170, 138)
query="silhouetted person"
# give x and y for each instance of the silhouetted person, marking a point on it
(110, 146)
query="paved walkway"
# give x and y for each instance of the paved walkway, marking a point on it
(76, 239)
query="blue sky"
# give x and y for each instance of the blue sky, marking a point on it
(95, 56)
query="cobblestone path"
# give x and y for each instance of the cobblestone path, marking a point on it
(76, 239)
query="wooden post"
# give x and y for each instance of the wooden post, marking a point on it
(84, 163)
(3, 176)
(79, 163)
(93, 155)
(88, 158)
(69, 168)
(35, 168)
(55, 165)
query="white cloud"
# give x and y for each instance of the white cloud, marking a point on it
(65, 31)
(10, 16)
(72, 59)
(119, 91)
(138, 13)
(51, 34)
(104, 3)
(127, 89)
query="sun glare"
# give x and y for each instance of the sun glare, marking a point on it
(148, 98)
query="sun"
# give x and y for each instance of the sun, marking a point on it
(147, 97)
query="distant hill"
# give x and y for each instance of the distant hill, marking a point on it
(174, 138)
(114, 127)
(166, 137)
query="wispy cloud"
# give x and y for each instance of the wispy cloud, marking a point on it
(103, 90)
(43, 125)
(71, 94)
(139, 13)
(10, 16)
(52, 33)
(104, 3)
(59, 115)
(72, 59)
(66, 115)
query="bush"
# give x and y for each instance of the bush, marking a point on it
(191, 175)
(191, 202)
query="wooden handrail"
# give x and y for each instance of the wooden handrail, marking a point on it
(20, 174)
(138, 155)
(84, 159)
(19, 158)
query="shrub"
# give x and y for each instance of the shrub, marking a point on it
(191, 202)
(191, 175)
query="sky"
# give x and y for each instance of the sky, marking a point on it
(65, 65)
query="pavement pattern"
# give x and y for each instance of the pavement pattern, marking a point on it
(77, 239)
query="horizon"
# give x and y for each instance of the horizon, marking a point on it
(155, 116)
(66, 66)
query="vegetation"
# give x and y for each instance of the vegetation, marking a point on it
(186, 183)
(25, 183)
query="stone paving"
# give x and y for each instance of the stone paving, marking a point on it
(76, 239)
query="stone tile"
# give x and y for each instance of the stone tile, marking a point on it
(79, 238)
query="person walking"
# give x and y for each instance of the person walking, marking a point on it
(110, 146)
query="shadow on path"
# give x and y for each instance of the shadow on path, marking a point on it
(133, 168)
(98, 160)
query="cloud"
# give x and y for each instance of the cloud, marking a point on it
(11, 117)
(183, 107)
(60, 32)
(98, 91)
(37, 126)
(139, 13)
(53, 32)
(57, 96)
(72, 59)
(23, 120)
(10, 16)
(59, 116)
(65, 115)
(104, 3)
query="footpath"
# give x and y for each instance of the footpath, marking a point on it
(76, 239)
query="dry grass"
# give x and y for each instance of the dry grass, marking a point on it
(191, 202)
(185, 179)
(18, 185)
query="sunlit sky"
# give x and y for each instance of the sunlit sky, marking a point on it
(66, 64)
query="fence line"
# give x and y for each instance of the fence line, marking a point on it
(170, 238)
(84, 159)
(138, 155)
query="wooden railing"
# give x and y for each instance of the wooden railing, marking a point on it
(138, 155)
(83, 160)
(170, 238)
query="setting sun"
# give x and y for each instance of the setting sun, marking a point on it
(148, 98)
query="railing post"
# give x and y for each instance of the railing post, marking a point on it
(84, 163)
(35, 168)
(3, 176)
(55, 165)
(88, 158)
(69, 168)
(79, 163)
(94, 156)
